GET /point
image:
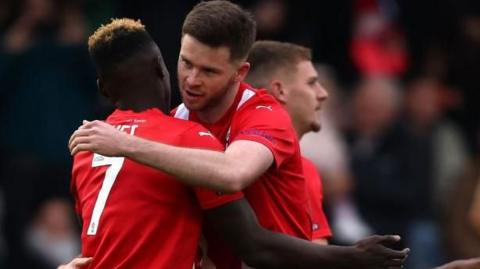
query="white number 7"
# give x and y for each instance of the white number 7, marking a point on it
(115, 164)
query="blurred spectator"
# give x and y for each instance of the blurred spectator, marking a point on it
(378, 45)
(382, 195)
(51, 237)
(402, 164)
(434, 157)
(425, 120)
(271, 17)
(284, 20)
(48, 88)
(35, 21)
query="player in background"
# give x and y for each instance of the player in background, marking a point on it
(286, 71)
(137, 217)
(262, 147)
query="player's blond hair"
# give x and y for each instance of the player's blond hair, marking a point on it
(114, 43)
(107, 33)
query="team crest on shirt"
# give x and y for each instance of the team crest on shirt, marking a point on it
(315, 227)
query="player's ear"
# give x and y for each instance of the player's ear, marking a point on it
(101, 87)
(242, 71)
(278, 91)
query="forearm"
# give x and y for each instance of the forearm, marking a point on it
(261, 248)
(281, 251)
(230, 171)
(196, 167)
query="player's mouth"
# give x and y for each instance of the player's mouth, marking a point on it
(192, 94)
(191, 97)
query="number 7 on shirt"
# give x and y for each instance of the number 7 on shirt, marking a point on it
(115, 164)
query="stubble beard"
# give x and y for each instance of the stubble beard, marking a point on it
(215, 100)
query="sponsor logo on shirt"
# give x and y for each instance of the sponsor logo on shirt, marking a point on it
(264, 107)
(257, 132)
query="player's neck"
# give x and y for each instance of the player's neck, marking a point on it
(141, 102)
(217, 109)
(299, 130)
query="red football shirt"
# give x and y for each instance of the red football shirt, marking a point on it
(320, 227)
(279, 197)
(135, 216)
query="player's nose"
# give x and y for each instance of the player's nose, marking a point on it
(193, 78)
(321, 93)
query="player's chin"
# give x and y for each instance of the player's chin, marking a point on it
(315, 126)
(194, 106)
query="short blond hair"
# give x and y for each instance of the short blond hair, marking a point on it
(107, 33)
(116, 41)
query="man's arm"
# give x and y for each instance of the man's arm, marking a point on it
(230, 171)
(261, 248)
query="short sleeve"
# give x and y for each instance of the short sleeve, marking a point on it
(266, 122)
(210, 199)
(200, 138)
(320, 226)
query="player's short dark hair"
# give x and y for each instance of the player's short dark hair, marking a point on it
(268, 57)
(221, 23)
(112, 44)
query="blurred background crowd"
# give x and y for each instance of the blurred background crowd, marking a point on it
(399, 148)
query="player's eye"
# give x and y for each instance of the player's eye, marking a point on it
(312, 82)
(210, 72)
(187, 63)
